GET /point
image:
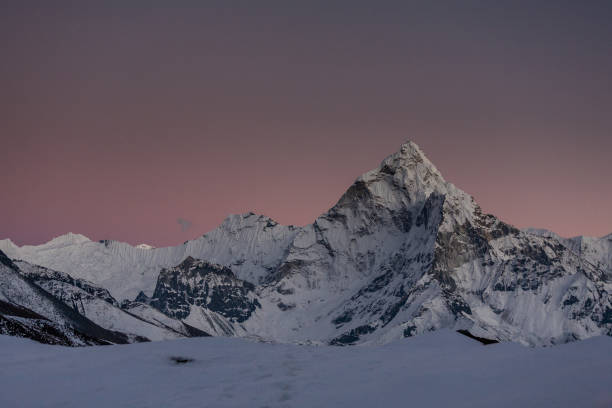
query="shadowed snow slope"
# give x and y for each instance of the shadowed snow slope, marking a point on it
(251, 244)
(441, 369)
(99, 306)
(27, 310)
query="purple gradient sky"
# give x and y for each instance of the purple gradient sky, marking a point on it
(118, 120)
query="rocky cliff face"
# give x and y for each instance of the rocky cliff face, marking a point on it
(208, 288)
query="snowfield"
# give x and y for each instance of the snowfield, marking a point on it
(439, 369)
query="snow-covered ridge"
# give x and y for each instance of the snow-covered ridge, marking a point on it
(251, 243)
(547, 232)
(597, 251)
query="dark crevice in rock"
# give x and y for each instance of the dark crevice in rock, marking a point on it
(482, 340)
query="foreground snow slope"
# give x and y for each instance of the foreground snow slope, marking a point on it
(432, 370)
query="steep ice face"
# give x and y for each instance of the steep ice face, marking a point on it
(409, 177)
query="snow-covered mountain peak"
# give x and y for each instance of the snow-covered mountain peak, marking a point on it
(191, 266)
(409, 176)
(191, 263)
(543, 232)
(187, 263)
(410, 152)
(7, 246)
(409, 167)
(235, 222)
(410, 149)
(70, 238)
(144, 246)
(67, 239)
(405, 179)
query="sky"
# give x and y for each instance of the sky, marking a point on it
(151, 121)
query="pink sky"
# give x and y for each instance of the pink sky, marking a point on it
(118, 121)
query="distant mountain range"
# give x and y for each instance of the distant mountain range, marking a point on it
(403, 252)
